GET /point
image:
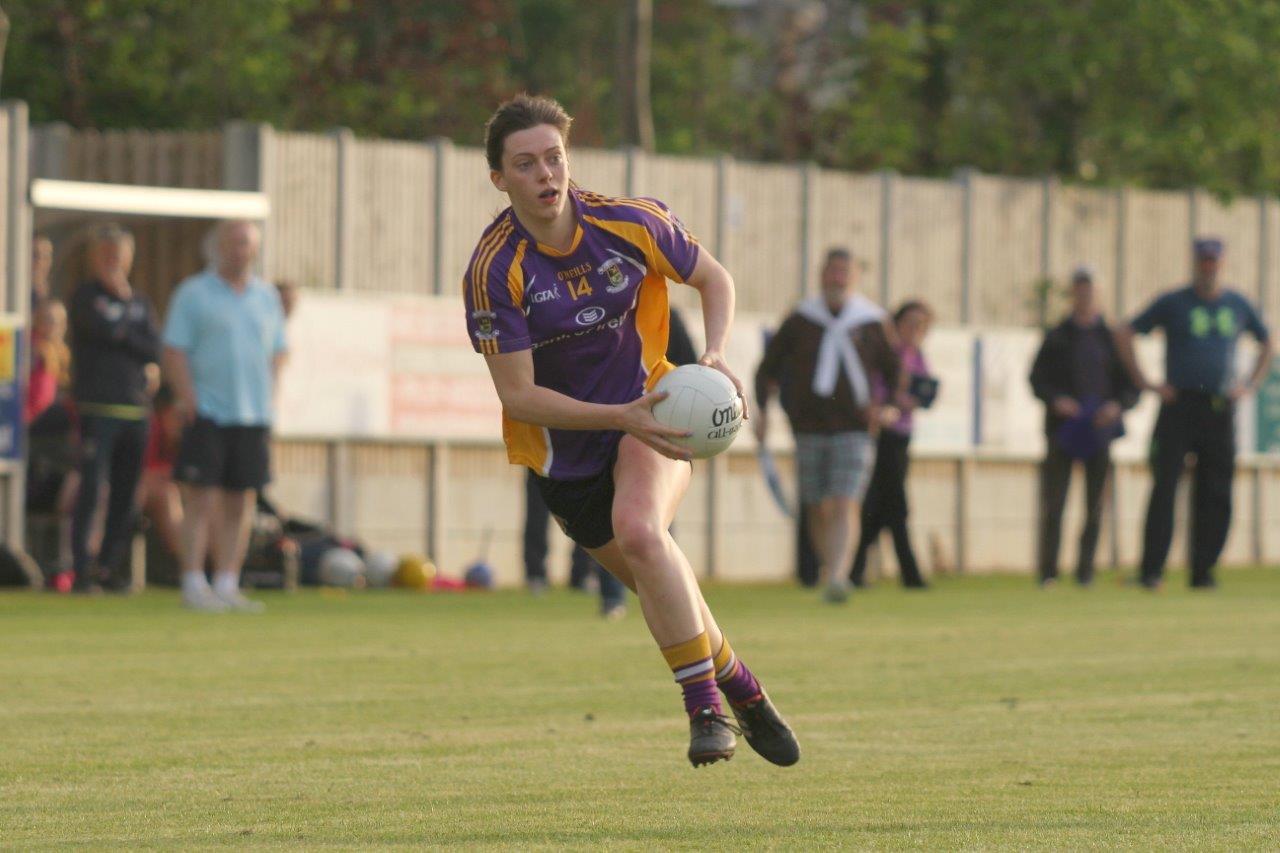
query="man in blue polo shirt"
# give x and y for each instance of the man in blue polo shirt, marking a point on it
(1201, 323)
(224, 345)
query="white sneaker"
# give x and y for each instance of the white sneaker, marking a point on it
(203, 600)
(234, 600)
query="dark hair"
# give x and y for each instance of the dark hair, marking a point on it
(521, 113)
(837, 253)
(912, 305)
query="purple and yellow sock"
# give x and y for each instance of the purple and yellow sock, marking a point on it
(733, 677)
(695, 672)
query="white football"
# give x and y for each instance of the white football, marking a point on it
(380, 568)
(342, 567)
(703, 401)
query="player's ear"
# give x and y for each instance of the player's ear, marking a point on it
(498, 181)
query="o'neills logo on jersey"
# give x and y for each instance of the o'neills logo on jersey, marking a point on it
(484, 325)
(612, 270)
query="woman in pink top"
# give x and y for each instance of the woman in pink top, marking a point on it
(886, 503)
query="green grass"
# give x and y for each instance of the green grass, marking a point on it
(984, 714)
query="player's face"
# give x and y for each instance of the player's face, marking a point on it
(535, 172)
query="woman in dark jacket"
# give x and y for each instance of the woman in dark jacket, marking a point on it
(115, 347)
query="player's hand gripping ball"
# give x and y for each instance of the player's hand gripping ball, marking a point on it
(703, 401)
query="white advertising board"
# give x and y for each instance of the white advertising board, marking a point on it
(947, 426)
(402, 368)
(367, 367)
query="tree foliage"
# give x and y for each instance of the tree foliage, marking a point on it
(1157, 92)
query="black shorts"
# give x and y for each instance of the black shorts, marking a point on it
(227, 457)
(582, 508)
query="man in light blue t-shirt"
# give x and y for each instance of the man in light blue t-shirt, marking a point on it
(224, 346)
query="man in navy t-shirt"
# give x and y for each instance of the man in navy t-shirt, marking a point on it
(1201, 323)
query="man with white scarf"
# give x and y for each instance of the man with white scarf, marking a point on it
(820, 359)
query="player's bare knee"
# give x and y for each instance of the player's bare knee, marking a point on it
(641, 540)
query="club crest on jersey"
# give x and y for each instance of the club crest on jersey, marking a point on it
(484, 325)
(612, 270)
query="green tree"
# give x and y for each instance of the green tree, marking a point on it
(1157, 92)
(149, 63)
(398, 68)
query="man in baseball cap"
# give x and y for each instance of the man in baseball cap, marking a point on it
(1207, 249)
(1201, 323)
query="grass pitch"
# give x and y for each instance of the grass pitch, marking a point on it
(983, 714)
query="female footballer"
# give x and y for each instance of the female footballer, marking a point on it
(566, 297)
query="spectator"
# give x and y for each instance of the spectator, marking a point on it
(158, 496)
(52, 484)
(536, 517)
(680, 349)
(115, 346)
(807, 567)
(824, 357)
(41, 267)
(288, 297)
(886, 502)
(1084, 386)
(1201, 324)
(50, 359)
(224, 346)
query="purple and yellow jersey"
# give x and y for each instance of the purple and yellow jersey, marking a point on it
(595, 316)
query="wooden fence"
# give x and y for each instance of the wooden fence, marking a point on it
(167, 250)
(969, 513)
(367, 217)
(402, 217)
